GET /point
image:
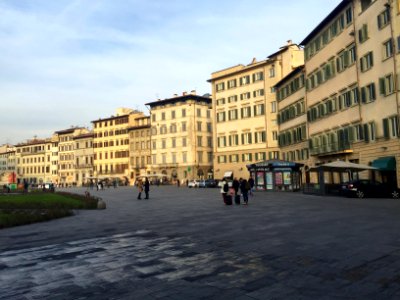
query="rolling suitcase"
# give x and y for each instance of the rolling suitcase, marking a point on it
(228, 200)
(237, 199)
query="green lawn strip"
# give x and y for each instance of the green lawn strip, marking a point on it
(46, 201)
(37, 207)
(16, 218)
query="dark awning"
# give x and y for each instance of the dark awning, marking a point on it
(385, 163)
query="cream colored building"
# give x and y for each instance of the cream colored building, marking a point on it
(67, 172)
(83, 158)
(33, 161)
(7, 164)
(181, 129)
(140, 148)
(292, 117)
(245, 111)
(111, 144)
(352, 98)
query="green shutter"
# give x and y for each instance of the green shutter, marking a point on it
(363, 95)
(386, 133)
(366, 133)
(382, 89)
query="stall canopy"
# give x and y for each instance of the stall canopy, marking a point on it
(385, 163)
(344, 166)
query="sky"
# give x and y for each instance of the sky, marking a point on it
(68, 62)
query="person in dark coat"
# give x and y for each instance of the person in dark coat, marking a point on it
(244, 188)
(251, 182)
(146, 188)
(236, 185)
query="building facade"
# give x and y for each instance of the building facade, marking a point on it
(67, 172)
(181, 130)
(7, 164)
(111, 145)
(352, 88)
(83, 158)
(140, 148)
(33, 161)
(245, 111)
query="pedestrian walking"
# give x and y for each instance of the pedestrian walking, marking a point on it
(140, 189)
(244, 188)
(146, 188)
(236, 186)
(251, 182)
(224, 192)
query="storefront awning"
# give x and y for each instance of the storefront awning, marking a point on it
(228, 174)
(385, 163)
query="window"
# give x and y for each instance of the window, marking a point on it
(398, 43)
(245, 96)
(363, 33)
(222, 159)
(246, 112)
(221, 140)
(384, 18)
(183, 112)
(232, 99)
(209, 141)
(174, 158)
(163, 116)
(208, 114)
(173, 114)
(234, 140)
(349, 15)
(368, 93)
(367, 61)
(246, 138)
(221, 117)
(209, 157)
(260, 156)
(233, 114)
(172, 128)
(231, 83)
(258, 76)
(365, 4)
(273, 106)
(173, 142)
(388, 49)
(164, 158)
(198, 112)
(259, 110)
(386, 85)
(244, 80)
(209, 127)
(184, 157)
(200, 141)
(274, 135)
(258, 93)
(220, 86)
(184, 142)
(260, 137)
(272, 72)
(246, 157)
(234, 158)
(199, 126)
(183, 126)
(391, 127)
(163, 144)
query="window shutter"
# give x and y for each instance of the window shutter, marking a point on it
(382, 86)
(242, 139)
(366, 133)
(386, 128)
(361, 131)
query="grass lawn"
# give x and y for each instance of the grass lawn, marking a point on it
(36, 207)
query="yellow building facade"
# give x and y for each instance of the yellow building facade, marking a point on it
(245, 111)
(140, 148)
(33, 161)
(83, 158)
(351, 91)
(111, 144)
(181, 137)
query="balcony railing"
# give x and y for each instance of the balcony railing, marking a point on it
(84, 166)
(331, 148)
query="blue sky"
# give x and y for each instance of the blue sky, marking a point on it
(68, 62)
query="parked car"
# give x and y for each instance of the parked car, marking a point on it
(201, 184)
(193, 183)
(210, 183)
(368, 188)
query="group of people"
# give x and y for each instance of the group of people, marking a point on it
(240, 188)
(143, 186)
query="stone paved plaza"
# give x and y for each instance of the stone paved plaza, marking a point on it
(185, 244)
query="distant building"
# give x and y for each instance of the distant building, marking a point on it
(140, 148)
(7, 164)
(181, 130)
(83, 158)
(111, 145)
(245, 111)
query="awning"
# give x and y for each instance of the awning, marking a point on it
(342, 166)
(385, 163)
(228, 174)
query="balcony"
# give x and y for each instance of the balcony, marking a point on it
(83, 166)
(334, 148)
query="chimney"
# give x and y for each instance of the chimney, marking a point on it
(175, 95)
(289, 42)
(184, 93)
(193, 92)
